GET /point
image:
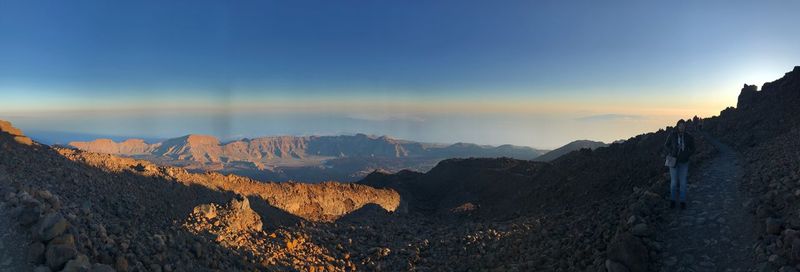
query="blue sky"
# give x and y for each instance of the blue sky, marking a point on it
(531, 72)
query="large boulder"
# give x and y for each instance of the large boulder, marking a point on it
(28, 215)
(79, 264)
(51, 226)
(209, 211)
(58, 255)
(242, 217)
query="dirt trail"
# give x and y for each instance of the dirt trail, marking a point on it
(715, 232)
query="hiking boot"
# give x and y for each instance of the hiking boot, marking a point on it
(683, 205)
(672, 204)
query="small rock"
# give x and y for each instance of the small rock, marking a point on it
(795, 250)
(632, 220)
(612, 266)
(121, 264)
(706, 264)
(763, 211)
(64, 239)
(98, 267)
(197, 248)
(671, 261)
(36, 253)
(42, 268)
(774, 225)
(209, 211)
(640, 230)
(765, 267)
(79, 264)
(777, 259)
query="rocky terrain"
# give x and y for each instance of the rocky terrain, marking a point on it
(502, 214)
(316, 202)
(765, 129)
(589, 210)
(306, 159)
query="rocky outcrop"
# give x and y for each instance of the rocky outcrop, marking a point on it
(747, 96)
(227, 223)
(760, 115)
(318, 202)
(6, 127)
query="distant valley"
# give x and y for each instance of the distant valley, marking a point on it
(305, 158)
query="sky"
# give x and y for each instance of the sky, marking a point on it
(535, 73)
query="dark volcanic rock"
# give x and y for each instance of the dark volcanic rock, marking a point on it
(58, 255)
(629, 251)
(51, 225)
(774, 225)
(36, 253)
(747, 96)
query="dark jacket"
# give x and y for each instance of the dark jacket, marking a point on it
(671, 146)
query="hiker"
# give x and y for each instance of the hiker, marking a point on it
(678, 147)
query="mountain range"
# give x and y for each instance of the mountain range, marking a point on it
(204, 148)
(306, 158)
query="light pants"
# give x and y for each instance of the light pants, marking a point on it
(678, 174)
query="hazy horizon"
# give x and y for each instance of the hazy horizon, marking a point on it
(537, 74)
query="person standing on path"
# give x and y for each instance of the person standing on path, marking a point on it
(678, 147)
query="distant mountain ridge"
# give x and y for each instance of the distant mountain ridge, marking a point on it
(204, 148)
(306, 158)
(572, 146)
